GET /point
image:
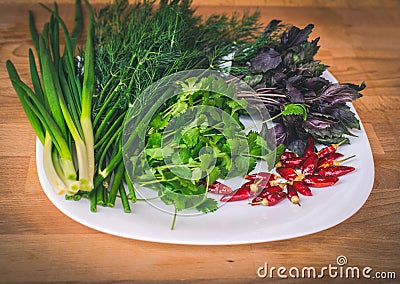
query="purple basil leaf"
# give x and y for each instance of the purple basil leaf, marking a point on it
(279, 135)
(294, 95)
(296, 36)
(314, 123)
(356, 87)
(297, 146)
(265, 61)
(337, 94)
(306, 51)
(296, 80)
(309, 94)
(279, 76)
(272, 26)
(345, 115)
(315, 83)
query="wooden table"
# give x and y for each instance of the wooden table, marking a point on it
(38, 243)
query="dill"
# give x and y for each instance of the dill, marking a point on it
(138, 44)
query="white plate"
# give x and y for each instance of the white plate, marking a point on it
(237, 222)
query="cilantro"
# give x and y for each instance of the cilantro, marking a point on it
(167, 151)
(238, 146)
(206, 160)
(208, 205)
(196, 174)
(213, 175)
(178, 108)
(190, 137)
(240, 166)
(158, 122)
(203, 141)
(298, 109)
(184, 155)
(225, 161)
(154, 140)
(155, 153)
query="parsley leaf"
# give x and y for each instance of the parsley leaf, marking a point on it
(298, 109)
(154, 140)
(206, 160)
(208, 205)
(191, 136)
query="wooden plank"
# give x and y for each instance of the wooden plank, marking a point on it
(272, 3)
(40, 244)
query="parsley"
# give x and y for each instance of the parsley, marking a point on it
(297, 109)
(192, 140)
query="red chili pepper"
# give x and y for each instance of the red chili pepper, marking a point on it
(289, 173)
(329, 149)
(310, 164)
(240, 194)
(270, 199)
(219, 188)
(320, 181)
(335, 171)
(262, 175)
(270, 190)
(331, 156)
(302, 188)
(262, 183)
(329, 163)
(287, 155)
(291, 162)
(246, 185)
(310, 147)
(292, 195)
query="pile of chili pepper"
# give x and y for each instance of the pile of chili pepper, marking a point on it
(294, 175)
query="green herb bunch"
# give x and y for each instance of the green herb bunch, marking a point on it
(60, 103)
(138, 44)
(187, 137)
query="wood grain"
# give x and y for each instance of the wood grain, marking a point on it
(360, 41)
(253, 3)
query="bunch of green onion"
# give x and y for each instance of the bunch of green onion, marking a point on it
(59, 106)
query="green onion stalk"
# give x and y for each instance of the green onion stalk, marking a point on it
(59, 105)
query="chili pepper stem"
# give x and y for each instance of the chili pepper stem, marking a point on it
(345, 159)
(262, 202)
(300, 176)
(336, 145)
(254, 186)
(335, 162)
(295, 200)
(277, 182)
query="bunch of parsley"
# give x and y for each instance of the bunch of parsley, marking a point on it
(191, 140)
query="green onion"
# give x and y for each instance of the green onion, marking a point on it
(59, 106)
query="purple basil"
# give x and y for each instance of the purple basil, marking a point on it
(284, 57)
(265, 61)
